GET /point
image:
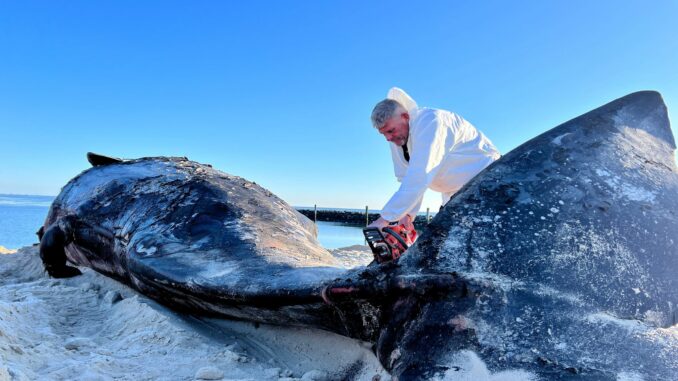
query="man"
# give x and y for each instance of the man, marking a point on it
(431, 148)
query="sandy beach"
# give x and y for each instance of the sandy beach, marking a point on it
(91, 327)
(4, 250)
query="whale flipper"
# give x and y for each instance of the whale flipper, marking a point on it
(53, 255)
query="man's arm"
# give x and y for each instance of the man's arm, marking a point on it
(429, 137)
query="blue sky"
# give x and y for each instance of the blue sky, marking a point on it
(281, 92)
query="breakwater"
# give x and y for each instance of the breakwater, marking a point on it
(350, 217)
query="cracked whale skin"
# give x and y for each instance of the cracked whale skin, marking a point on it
(572, 242)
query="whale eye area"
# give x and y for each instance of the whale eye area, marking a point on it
(204, 225)
(209, 222)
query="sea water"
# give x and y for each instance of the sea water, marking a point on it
(333, 235)
(21, 216)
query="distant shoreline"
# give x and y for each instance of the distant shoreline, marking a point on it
(352, 216)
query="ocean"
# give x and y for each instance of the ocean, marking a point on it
(22, 215)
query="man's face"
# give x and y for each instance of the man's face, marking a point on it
(397, 129)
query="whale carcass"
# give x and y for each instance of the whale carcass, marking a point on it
(558, 261)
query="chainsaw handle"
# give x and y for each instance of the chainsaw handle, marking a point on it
(396, 236)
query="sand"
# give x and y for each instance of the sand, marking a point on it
(91, 327)
(4, 250)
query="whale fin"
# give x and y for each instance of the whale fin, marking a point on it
(98, 160)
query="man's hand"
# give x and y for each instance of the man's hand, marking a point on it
(382, 223)
(379, 223)
(407, 222)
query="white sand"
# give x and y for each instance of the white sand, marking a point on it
(4, 250)
(93, 328)
(353, 256)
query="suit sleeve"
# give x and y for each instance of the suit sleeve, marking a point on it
(428, 136)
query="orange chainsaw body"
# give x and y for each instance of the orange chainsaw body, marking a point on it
(389, 243)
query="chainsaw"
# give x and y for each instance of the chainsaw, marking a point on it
(389, 243)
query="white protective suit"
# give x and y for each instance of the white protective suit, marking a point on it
(445, 151)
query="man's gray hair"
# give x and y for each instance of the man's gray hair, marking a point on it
(385, 110)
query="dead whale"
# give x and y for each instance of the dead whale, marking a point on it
(556, 262)
(568, 244)
(190, 236)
